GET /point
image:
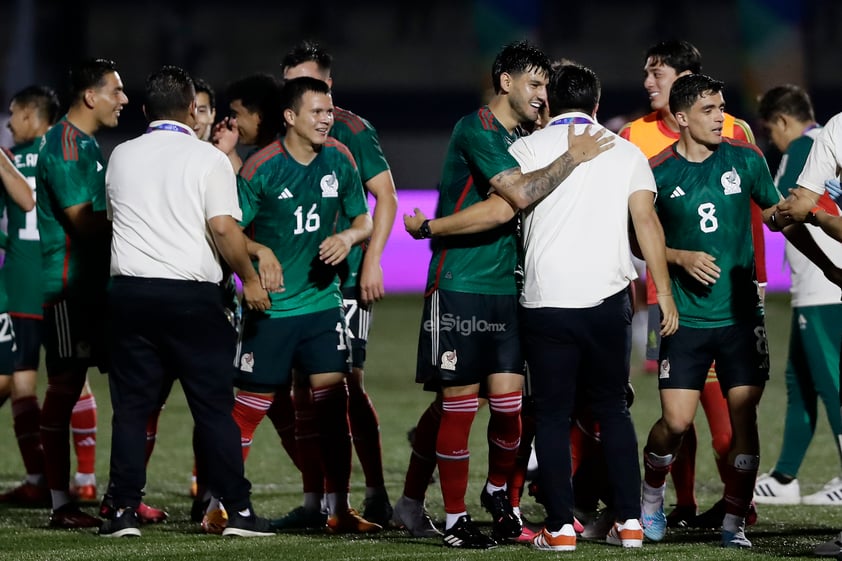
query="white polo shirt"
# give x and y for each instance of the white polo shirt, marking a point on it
(825, 159)
(161, 190)
(576, 239)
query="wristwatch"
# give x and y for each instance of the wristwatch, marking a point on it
(811, 218)
(424, 230)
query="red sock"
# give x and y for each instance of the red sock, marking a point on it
(452, 453)
(655, 469)
(422, 460)
(365, 430)
(83, 425)
(503, 435)
(331, 404)
(719, 420)
(739, 483)
(152, 433)
(62, 393)
(249, 410)
(27, 422)
(517, 479)
(684, 470)
(282, 415)
(307, 445)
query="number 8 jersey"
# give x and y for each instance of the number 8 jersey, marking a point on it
(291, 208)
(704, 206)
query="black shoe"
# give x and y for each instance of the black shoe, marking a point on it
(299, 518)
(711, 518)
(122, 524)
(464, 534)
(505, 525)
(251, 526)
(198, 508)
(378, 509)
(681, 516)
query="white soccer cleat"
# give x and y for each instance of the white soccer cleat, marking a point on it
(770, 491)
(830, 495)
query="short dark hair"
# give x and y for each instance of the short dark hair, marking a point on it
(573, 87)
(687, 89)
(202, 86)
(680, 55)
(86, 74)
(169, 93)
(307, 51)
(517, 58)
(42, 98)
(261, 94)
(295, 89)
(787, 99)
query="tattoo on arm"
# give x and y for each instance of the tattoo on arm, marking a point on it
(542, 182)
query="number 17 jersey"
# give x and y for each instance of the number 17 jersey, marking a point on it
(705, 206)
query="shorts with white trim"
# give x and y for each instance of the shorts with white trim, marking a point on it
(75, 335)
(8, 345)
(358, 319)
(28, 336)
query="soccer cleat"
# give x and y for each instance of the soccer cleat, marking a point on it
(654, 525)
(565, 541)
(627, 534)
(712, 517)
(151, 515)
(504, 523)
(526, 535)
(411, 514)
(377, 509)
(598, 526)
(70, 517)
(300, 518)
(831, 548)
(830, 495)
(251, 526)
(770, 491)
(122, 524)
(350, 522)
(465, 535)
(27, 494)
(84, 493)
(215, 521)
(681, 516)
(736, 539)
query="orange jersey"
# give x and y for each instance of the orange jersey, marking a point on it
(651, 134)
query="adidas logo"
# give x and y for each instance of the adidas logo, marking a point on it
(678, 192)
(287, 194)
(453, 541)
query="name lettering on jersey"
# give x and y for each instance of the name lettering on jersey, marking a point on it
(26, 160)
(330, 186)
(286, 194)
(448, 360)
(247, 362)
(99, 167)
(677, 192)
(731, 182)
(664, 370)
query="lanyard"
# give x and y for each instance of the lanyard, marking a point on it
(169, 127)
(572, 121)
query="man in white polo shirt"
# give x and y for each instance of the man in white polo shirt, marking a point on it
(173, 203)
(575, 306)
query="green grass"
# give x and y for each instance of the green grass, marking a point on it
(782, 532)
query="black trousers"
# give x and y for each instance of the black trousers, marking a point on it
(579, 358)
(162, 329)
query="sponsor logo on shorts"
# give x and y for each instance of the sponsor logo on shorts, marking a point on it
(664, 370)
(465, 326)
(247, 362)
(448, 360)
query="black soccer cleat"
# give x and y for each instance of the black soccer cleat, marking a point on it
(464, 534)
(505, 524)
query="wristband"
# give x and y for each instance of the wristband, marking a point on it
(424, 230)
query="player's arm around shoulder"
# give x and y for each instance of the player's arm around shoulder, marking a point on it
(15, 184)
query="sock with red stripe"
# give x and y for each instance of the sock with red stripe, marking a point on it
(83, 425)
(249, 410)
(331, 404)
(504, 430)
(452, 453)
(739, 484)
(422, 460)
(719, 420)
(26, 416)
(517, 479)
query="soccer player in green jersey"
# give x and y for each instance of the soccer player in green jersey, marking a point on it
(75, 248)
(292, 192)
(705, 186)
(362, 286)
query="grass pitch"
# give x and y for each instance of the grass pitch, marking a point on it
(782, 532)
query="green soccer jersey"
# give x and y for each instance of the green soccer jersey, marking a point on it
(22, 268)
(291, 208)
(705, 206)
(478, 263)
(361, 139)
(4, 299)
(70, 171)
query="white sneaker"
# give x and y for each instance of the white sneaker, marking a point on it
(627, 534)
(770, 491)
(830, 495)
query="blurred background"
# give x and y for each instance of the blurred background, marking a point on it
(413, 68)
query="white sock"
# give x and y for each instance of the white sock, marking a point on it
(653, 498)
(733, 523)
(493, 488)
(60, 498)
(452, 519)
